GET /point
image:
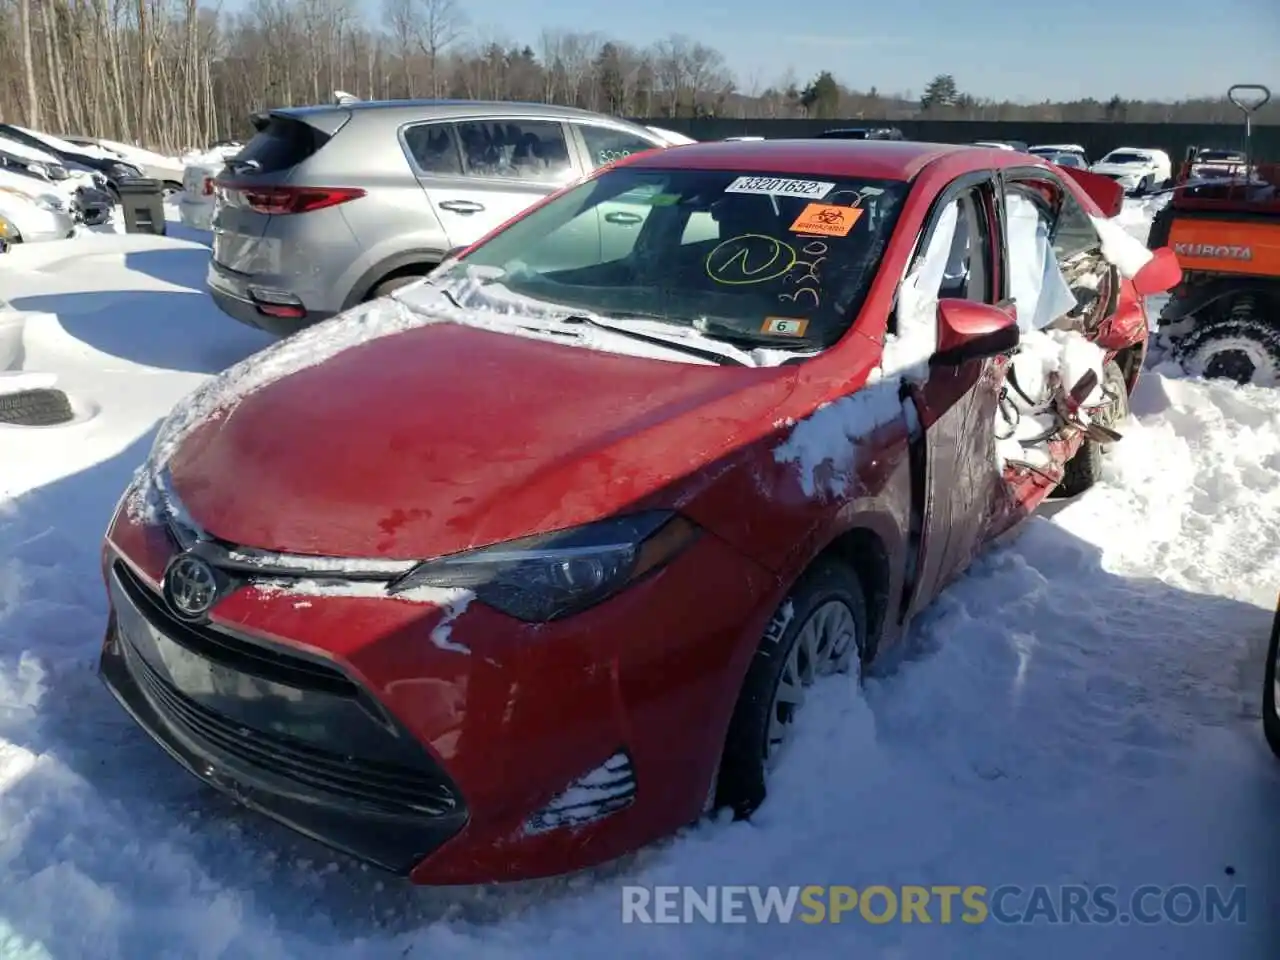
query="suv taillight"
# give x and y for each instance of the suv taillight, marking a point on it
(283, 200)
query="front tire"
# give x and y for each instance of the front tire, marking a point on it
(1270, 695)
(819, 629)
(1084, 469)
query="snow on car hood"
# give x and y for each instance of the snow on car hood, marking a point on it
(452, 434)
(28, 154)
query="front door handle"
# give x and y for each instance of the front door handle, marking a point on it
(462, 206)
(623, 219)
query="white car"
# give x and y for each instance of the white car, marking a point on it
(195, 204)
(1052, 150)
(1137, 169)
(62, 180)
(29, 219)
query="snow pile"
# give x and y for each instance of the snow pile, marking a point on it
(827, 446)
(66, 146)
(1043, 355)
(26, 153)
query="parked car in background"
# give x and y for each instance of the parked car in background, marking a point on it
(153, 166)
(332, 205)
(861, 133)
(33, 172)
(1047, 150)
(1016, 145)
(1073, 160)
(196, 201)
(1210, 162)
(14, 154)
(27, 218)
(1137, 170)
(107, 169)
(534, 566)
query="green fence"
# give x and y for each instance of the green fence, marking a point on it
(1096, 138)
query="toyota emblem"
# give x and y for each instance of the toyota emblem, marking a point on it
(190, 586)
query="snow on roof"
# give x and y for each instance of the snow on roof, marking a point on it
(24, 152)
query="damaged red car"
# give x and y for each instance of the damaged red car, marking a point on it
(533, 563)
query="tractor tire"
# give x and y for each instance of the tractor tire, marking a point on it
(1243, 349)
(35, 408)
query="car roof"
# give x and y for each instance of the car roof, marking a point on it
(403, 110)
(873, 159)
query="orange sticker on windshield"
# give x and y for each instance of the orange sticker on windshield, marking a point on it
(825, 220)
(784, 326)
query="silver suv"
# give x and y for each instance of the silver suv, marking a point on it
(329, 206)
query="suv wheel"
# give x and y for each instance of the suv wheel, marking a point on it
(388, 286)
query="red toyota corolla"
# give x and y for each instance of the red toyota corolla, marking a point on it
(533, 565)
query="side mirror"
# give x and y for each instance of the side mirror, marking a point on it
(973, 331)
(1160, 274)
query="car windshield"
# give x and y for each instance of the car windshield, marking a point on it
(1067, 160)
(1125, 156)
(1220, 155)
(759, 258)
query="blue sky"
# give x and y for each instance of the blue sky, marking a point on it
(998, 48)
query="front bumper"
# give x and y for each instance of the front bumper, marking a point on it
(630, 699)
(324, 760)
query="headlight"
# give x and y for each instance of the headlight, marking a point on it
(551, 576)
(8, 232)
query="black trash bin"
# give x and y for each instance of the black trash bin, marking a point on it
(142, 201)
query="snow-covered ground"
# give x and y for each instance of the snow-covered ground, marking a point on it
(1082, 707)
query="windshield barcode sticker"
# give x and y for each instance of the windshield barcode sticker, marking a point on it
(781, 187)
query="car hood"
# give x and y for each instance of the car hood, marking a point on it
(445, 437)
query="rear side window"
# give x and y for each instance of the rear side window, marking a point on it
(283, 143)
(434, 148)
(606, 146)
(515, 149)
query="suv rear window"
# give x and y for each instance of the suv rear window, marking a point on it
(283, 143)
(750, 257)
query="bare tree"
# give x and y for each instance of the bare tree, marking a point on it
(173, 74)
(441, 24)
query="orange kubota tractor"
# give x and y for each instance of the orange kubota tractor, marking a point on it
(1223, 223)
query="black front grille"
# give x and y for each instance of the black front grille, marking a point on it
(382, 787)
(254, 659)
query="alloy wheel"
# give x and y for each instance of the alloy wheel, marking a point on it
(822, 647)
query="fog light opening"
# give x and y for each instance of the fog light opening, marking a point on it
(602, 792)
